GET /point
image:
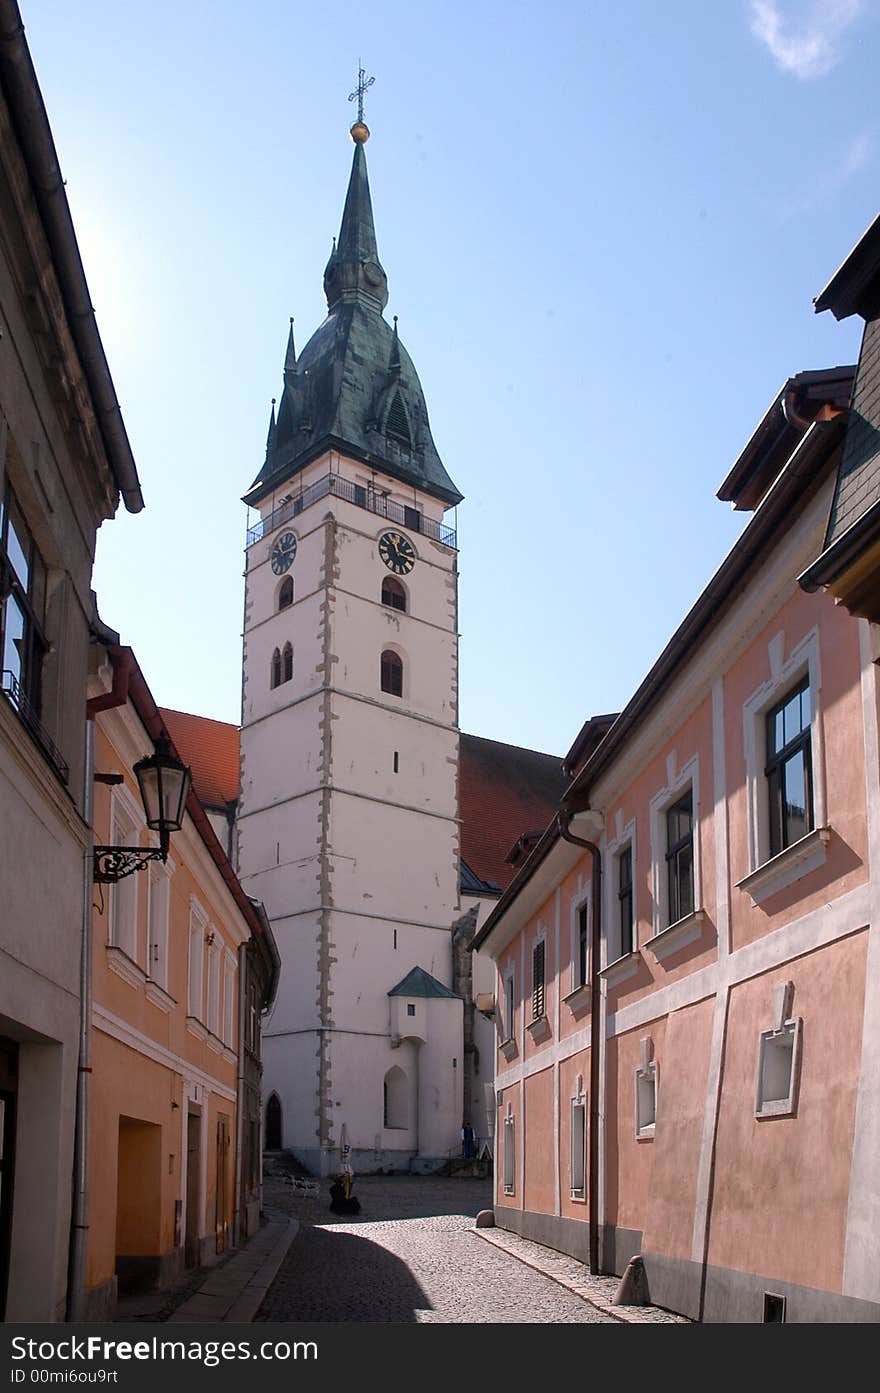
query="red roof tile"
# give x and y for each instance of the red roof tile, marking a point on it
(211, 747)
(504, 791)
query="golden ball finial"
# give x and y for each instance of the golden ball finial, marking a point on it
(360, 132)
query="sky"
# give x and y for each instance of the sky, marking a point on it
(603, 228)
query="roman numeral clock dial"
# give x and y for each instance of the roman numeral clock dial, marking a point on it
(397, 552)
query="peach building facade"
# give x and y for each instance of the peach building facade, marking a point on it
(683, 962)
(171, 1027)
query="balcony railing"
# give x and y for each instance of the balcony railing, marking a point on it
(18, 698)
(362, 497)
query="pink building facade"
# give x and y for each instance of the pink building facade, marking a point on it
(688, 962)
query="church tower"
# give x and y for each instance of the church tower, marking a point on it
(347, 825)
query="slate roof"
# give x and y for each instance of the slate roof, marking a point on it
(421, 983)
(211, 748)
(354, 387)
(858, 479)
(504, 791)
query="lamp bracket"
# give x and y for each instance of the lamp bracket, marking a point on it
(113, 863)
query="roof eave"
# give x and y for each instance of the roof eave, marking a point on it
(855, 286)
(34, 134)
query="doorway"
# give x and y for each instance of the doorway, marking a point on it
(273, 1123)
(8, 1092)
(221, 1203)
(138, 1204)
(193, 1187)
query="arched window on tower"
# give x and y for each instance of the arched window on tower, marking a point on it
(275, 679)
(285, 593)
(287, 663)
(392, 673)
(393, 594)
(395, 1091)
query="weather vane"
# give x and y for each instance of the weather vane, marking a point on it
(363, 83)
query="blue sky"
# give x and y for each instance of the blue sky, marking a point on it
(603, 228)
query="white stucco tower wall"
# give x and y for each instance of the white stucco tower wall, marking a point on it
(347, 827)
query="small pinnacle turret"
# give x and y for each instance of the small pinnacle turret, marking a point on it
(290, 359)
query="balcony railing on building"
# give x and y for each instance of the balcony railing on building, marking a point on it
(19, 700)
(362, 497)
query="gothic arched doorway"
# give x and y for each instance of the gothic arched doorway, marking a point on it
(273, 1123)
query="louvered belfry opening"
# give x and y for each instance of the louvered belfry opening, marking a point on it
(396, 424)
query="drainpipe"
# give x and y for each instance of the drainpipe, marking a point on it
(563, 820)
(79, 1220)
(238, 1216)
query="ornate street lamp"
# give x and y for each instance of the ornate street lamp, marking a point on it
(164, 783)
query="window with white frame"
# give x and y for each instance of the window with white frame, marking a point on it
(646, 1091)
(619, 891)
(579, 1144)
(782, 733)
(580, 947)
(675, 847)
(124, 893)
(228, 998)
(538, 1002)
(789, 768)
(213, 1021)
(195, 995)
(623, 865)
(509, 1006)
(779, 1060)
(509, 1151)
(157, 925)
(680, 858)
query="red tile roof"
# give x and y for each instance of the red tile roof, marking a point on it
(504, 791)
(211, 747)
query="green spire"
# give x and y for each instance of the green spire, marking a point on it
(354, 271)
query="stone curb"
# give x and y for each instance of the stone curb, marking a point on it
(588, 1289)
(237, 1290)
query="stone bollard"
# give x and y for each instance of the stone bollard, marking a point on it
(633, 1289)
(486, 1219)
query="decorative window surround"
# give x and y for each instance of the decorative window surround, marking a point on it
(779, 1059)
(539, 1029)
(215, 1043)
(621, 968)
(125, 967)
(196, 1028)
(803, 661)
(509, 1152)
(678, 935)
(159, 996)
(787, 866)
(645, 1079)
(624, 836)
(676, 786)
(578, 1144)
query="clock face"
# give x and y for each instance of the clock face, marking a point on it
(283, 553)
(397, 552)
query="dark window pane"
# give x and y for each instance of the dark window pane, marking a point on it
(795, 798)
(13, 638)
(583, 943)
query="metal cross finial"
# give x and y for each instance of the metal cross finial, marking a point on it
(363, 83)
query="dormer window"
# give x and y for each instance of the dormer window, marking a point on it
(393, 594)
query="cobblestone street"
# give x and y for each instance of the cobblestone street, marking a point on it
(410, 1255)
